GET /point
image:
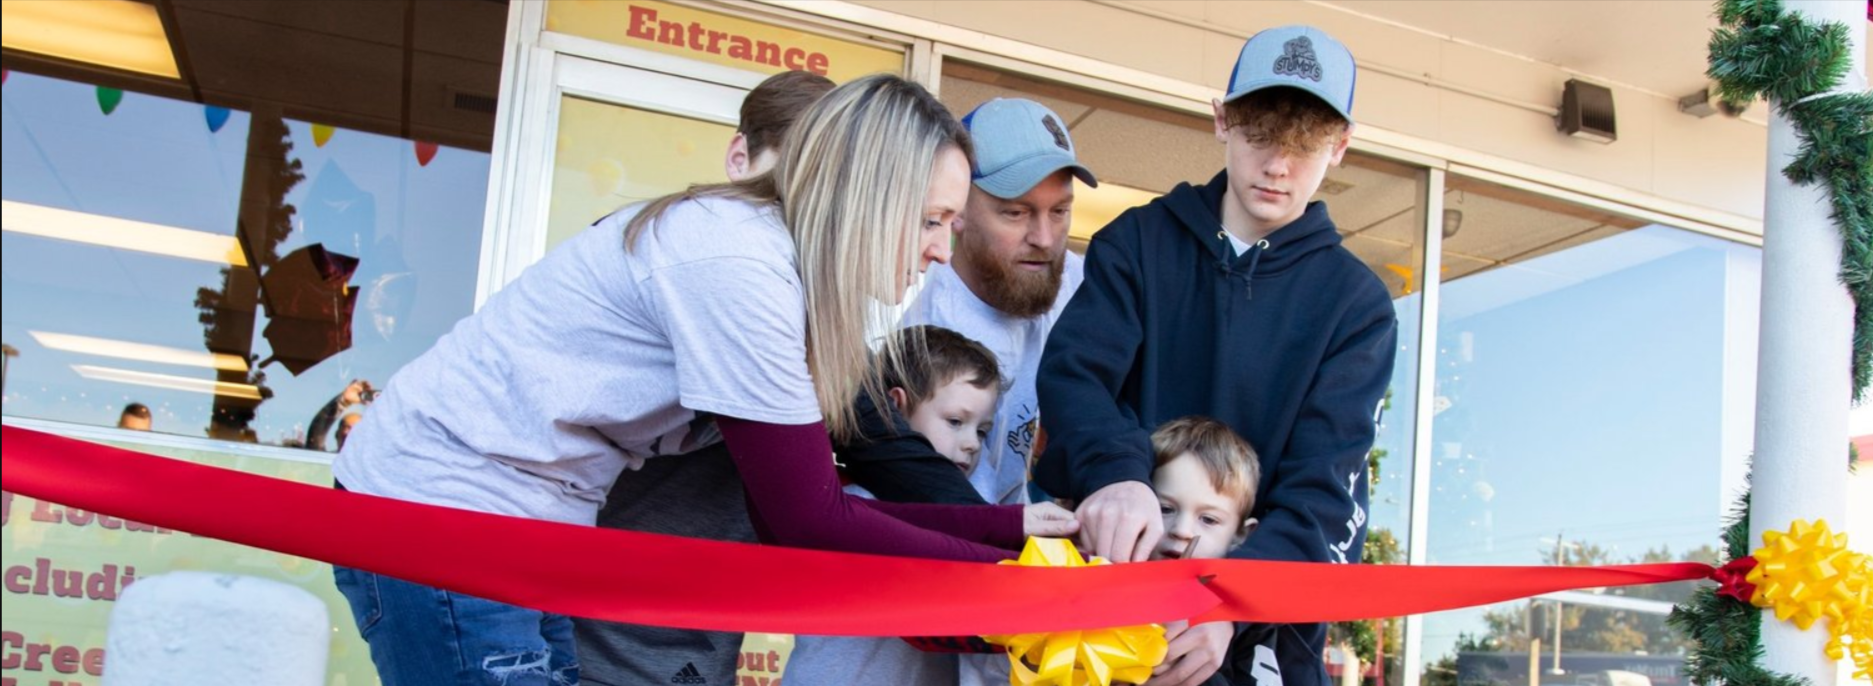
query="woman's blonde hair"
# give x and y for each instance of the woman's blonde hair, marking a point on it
(850, 183)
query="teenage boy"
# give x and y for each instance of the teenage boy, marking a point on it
(1233, 300)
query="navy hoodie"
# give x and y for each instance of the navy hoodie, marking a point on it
(1290, 344)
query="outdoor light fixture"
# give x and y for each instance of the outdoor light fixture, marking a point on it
(126, 350)
(1705, 102)
(121, 34)
(177, 383)
(1453, 220)
(125, 234)
(1587, 112)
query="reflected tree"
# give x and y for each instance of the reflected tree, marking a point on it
(228, 314)
(1598, 629)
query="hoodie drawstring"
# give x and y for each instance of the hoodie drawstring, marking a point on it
(1255, 259)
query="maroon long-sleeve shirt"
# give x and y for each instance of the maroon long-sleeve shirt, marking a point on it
(795, 500)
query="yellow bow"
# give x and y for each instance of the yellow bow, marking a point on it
(1807, 574)
(1078, 658)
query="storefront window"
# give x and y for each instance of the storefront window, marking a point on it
(1592, 372)
(610, 156)
(225, 255)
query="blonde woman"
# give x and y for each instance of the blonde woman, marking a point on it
(731, 313)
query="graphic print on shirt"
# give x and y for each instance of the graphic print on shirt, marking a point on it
(1267, 670)
(1353, 524)
(1023, 423)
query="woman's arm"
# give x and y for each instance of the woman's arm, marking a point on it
(795, 500)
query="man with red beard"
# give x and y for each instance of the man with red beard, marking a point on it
(1010, 274)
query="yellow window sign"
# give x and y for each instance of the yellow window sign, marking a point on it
(62, 569)
(610, 156)
(718, 38)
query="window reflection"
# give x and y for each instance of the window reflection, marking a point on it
(232, 273)
(1592, 370)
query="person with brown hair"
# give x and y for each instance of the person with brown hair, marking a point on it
(943, 400)
(1205, 477)
(1234, 300)
(766, 114)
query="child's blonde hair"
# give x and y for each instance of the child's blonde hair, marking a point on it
(1234, 468)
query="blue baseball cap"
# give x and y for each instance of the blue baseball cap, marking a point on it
(1018, 143)
(1301, 57)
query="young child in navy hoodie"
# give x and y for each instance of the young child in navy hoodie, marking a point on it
(1233, 300)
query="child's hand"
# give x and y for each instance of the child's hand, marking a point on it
(1048, 519)
(1195, 653)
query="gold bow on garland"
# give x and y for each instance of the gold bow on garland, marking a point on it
(1078, 658)
(1807, 574)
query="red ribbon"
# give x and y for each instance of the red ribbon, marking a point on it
(1733, 579)
(696, 584)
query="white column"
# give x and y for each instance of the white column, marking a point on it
(1803, 390)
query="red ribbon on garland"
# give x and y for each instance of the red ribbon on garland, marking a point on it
(696, 584)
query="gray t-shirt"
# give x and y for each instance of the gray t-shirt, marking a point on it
(595, 360)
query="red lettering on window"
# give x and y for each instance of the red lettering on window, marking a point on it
(739, 47)
(44, 512)
(641, 19)
(19, 579)
(817, 63)
(767, 53)
(65, 660)
(35, 656)
(670, 33)
(796, 58)
(10, 644)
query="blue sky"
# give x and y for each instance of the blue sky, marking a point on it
(1586, 403)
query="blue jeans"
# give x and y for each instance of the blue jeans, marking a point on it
(421, 636)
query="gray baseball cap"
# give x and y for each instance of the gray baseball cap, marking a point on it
(1018, 143)
(1301, 57)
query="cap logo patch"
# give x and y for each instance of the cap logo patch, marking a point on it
(1297, 60)
(1060, 134)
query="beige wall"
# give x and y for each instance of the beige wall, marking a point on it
(1715, 163)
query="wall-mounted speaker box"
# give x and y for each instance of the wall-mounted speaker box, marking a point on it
(1587, 112)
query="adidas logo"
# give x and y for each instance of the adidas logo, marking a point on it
(688, 675)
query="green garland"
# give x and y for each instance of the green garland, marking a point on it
(1726, 634)
(1760, 49)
